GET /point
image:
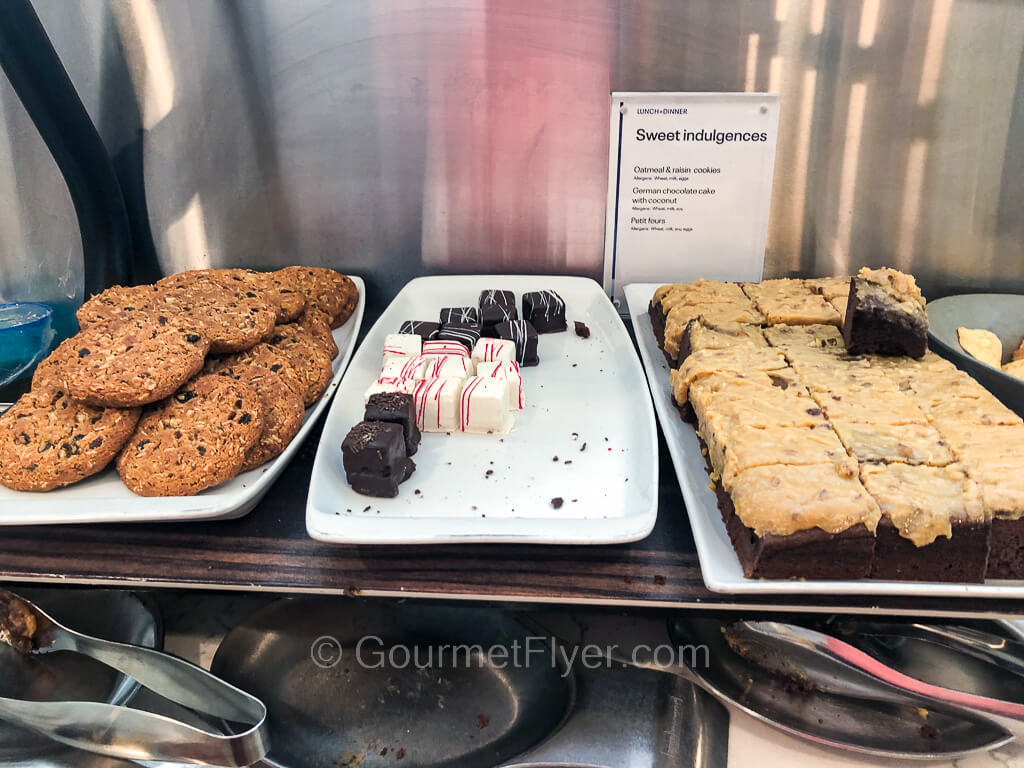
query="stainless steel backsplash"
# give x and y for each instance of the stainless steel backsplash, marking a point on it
(396, 137)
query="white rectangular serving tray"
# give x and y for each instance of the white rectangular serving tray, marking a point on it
(499, 488)
(105, 499)
(718, 562)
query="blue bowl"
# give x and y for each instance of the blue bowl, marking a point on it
(26, 332)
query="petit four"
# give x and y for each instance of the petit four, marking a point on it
(545, 311)
(422, 328)
(524, 336)
(440, 347)
(460, 316)
(485, 407)
(403, 367)
(493, 297)
(402, 345)
(467, 335)
(491, 350)
(492, 314)
(511, 373)
(448, 367)
(390, 384)
(396, 408)
(375, 459)
(438, 404)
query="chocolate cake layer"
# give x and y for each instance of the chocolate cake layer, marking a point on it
(1006, 554)
(657, 315)
(880, 322)
(809, 554)
(962, 558)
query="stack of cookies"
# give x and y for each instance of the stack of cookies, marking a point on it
(186, 382)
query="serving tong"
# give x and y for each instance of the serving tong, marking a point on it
(132, 734)
(835, 666)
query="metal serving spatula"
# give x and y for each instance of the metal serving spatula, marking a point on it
(129, 733)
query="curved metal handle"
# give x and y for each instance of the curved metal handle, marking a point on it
(869, 664)
(121, 732)
(798, 638)
(176, 679)
(993, 649)
(129, 733)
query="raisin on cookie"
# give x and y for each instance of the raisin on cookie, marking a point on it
(350, 294)
(263, 354)
(233, 318)
(283, 410)
(47, 440)
(318, 325)
(281, 291)
(309, 358)
(48, 374)
(132, 362)
(196, 439)
(117, 303)
(327, 290)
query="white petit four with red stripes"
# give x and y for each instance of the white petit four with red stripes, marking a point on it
(509, 371)
(485, 406)
(438, 404)
(491, 350)
(390, 384)
(448, 367)
(402, 345)
(441, 347)
(404, 367)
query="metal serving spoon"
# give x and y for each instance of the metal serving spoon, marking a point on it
(1006, 654)
(833, 665)
(129, 733)
(858, 715)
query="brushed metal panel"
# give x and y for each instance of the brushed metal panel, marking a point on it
(396, 137)
(40, 246)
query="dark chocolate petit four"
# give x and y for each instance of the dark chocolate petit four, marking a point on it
(545, 310)
(396, 408)
(504, 298)
(375, 459)
(492, 314)
(524, 335)
(460, 316)
(422, 328)
(377, 485)
(466, 334)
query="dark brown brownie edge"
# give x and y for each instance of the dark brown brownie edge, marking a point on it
(810, 554)
(686, 412)
(658, 320)
(657, 315)
(1006, 556)
(873, 328)
(962, 558)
